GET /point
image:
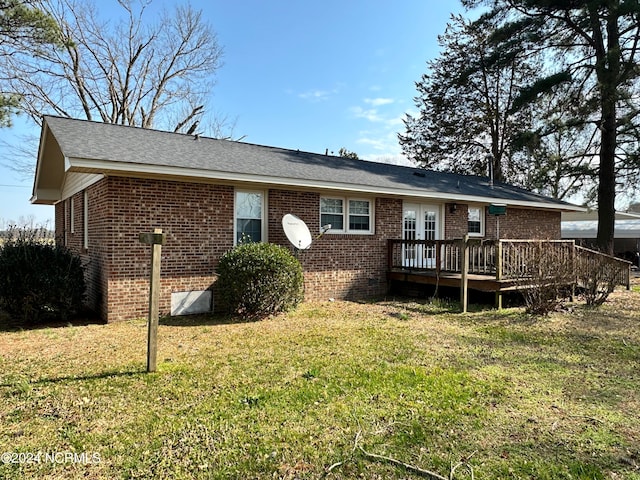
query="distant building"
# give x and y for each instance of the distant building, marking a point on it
(583, 228)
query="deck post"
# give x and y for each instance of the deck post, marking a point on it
(464, 270)
(574, 266)
(499, 274)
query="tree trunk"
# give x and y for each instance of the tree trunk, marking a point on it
(607, 179)
(608, 74)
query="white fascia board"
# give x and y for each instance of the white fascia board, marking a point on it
(43, 196)
(43, 135)
(119, 168)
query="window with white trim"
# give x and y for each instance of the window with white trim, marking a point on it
(85, 219)
(249, 219)
(65, 212)
(72, 216)
(346, 215)
(332, 213)
(476, 221)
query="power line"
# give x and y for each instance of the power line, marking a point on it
(15, 186)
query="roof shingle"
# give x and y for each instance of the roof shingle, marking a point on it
(133, 146)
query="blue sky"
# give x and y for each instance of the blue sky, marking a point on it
(302, 75)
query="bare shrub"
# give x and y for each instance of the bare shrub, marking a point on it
(597, 275)
(548, 276)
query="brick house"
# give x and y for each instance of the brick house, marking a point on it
(109, 183)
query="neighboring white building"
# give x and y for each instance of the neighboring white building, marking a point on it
(583, 228)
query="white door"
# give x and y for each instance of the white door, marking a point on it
(420, 222)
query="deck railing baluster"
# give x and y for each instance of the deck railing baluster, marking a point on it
(505, 260)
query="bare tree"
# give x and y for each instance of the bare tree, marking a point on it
(127, 70)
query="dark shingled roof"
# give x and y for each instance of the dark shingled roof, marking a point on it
(83, 139)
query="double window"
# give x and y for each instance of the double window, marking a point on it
(346, 215)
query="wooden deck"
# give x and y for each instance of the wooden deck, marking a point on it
(482, 283)
(495, 266)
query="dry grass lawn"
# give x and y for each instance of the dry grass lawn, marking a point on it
(510, 396)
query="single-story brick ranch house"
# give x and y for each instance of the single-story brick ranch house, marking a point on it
(109, 183)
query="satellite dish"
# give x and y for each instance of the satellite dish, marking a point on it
(296, 231)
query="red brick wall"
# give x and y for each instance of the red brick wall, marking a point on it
(95, 258)
(198, 222)
(518, 223)
(344, 266)
(521, 223)
(455, 220)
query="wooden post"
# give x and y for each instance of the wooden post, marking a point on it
(574, 271)
(498, 274)
(156, 240)
(464, 269)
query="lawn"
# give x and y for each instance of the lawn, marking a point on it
(319, 392)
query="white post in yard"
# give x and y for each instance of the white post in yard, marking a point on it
(156, 240)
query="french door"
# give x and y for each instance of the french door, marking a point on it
(420, 222)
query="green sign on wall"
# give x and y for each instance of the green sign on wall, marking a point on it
(497, 209)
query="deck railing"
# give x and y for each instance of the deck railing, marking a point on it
(617, 269)
(504, 259)
(441, 255)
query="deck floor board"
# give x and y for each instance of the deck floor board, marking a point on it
(483, 283)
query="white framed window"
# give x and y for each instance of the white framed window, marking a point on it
(249, 216)
(360, 216)
(332, 213)
(72, 216)
(475, 221)
(85, 220)
(65, 222)
(347, 215)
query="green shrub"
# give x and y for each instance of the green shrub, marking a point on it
(39, 280)
(259, 279)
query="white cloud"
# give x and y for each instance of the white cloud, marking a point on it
(375, 143)
(382, 141)
(377, 102)
(319, 95)
(393, 159)
(379, 140)
(395, 121)
(370, 114)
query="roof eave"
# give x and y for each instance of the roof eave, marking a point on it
(108, 167)
(50, 169)
(36, 177)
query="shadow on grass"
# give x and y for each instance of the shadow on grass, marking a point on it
(205, 320)
(10, 325)
(74, 378)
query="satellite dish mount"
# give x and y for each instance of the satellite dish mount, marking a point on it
(297, 232)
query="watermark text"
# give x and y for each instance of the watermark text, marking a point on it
(85, 458)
